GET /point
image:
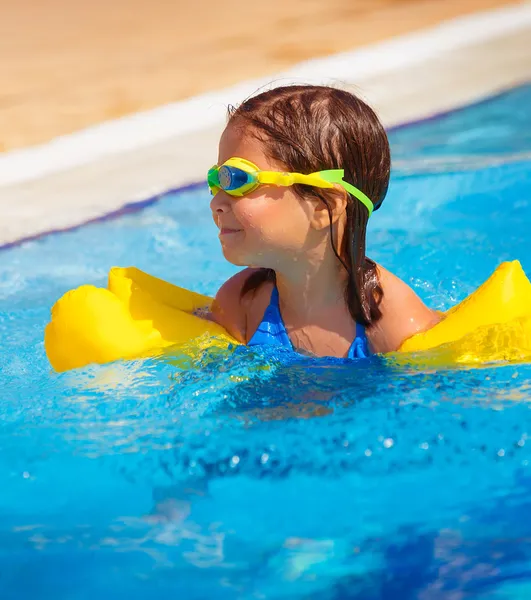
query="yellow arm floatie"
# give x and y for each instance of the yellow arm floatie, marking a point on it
(139, 315)
(493, 323)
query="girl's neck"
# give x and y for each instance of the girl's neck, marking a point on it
(313, 289)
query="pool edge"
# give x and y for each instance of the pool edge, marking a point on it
(132, 179)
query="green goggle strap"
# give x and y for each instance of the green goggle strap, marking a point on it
(336, 176)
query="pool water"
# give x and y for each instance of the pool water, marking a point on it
(256, 475)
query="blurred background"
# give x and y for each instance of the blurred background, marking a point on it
(67, 64)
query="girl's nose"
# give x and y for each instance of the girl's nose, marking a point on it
(220, 203)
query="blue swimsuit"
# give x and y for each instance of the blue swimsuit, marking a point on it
(272, 331)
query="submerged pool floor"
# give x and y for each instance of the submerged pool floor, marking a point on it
(250, 475)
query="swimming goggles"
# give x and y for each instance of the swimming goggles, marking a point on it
(238, 177)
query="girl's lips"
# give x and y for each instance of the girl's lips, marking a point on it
(227, 231)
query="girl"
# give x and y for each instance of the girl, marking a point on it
(299, 172)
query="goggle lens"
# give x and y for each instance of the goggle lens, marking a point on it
(232, 178)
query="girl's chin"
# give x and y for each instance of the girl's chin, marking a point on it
(234, 257)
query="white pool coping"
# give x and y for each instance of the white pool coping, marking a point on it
(96, 171)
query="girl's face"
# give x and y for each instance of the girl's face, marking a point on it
(268, 226)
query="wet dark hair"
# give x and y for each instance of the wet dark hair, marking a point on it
(312, 128)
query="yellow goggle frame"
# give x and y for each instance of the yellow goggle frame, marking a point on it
(238, 177)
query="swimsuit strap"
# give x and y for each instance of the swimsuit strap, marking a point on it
(360, 346)
(272, 331)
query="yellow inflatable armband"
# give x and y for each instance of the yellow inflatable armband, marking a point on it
(493, 323)
(137, 315)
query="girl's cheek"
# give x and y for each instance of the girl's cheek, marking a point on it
(251, 215)
(257, 211)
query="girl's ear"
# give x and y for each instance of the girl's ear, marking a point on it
(337, 203)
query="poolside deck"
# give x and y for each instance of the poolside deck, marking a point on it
(67, 64)
(56, 80)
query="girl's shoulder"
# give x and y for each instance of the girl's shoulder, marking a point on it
(403, 314)
(241, 315)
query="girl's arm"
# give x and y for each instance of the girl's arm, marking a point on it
(228, 308)
(403, 315)
(240, 316)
